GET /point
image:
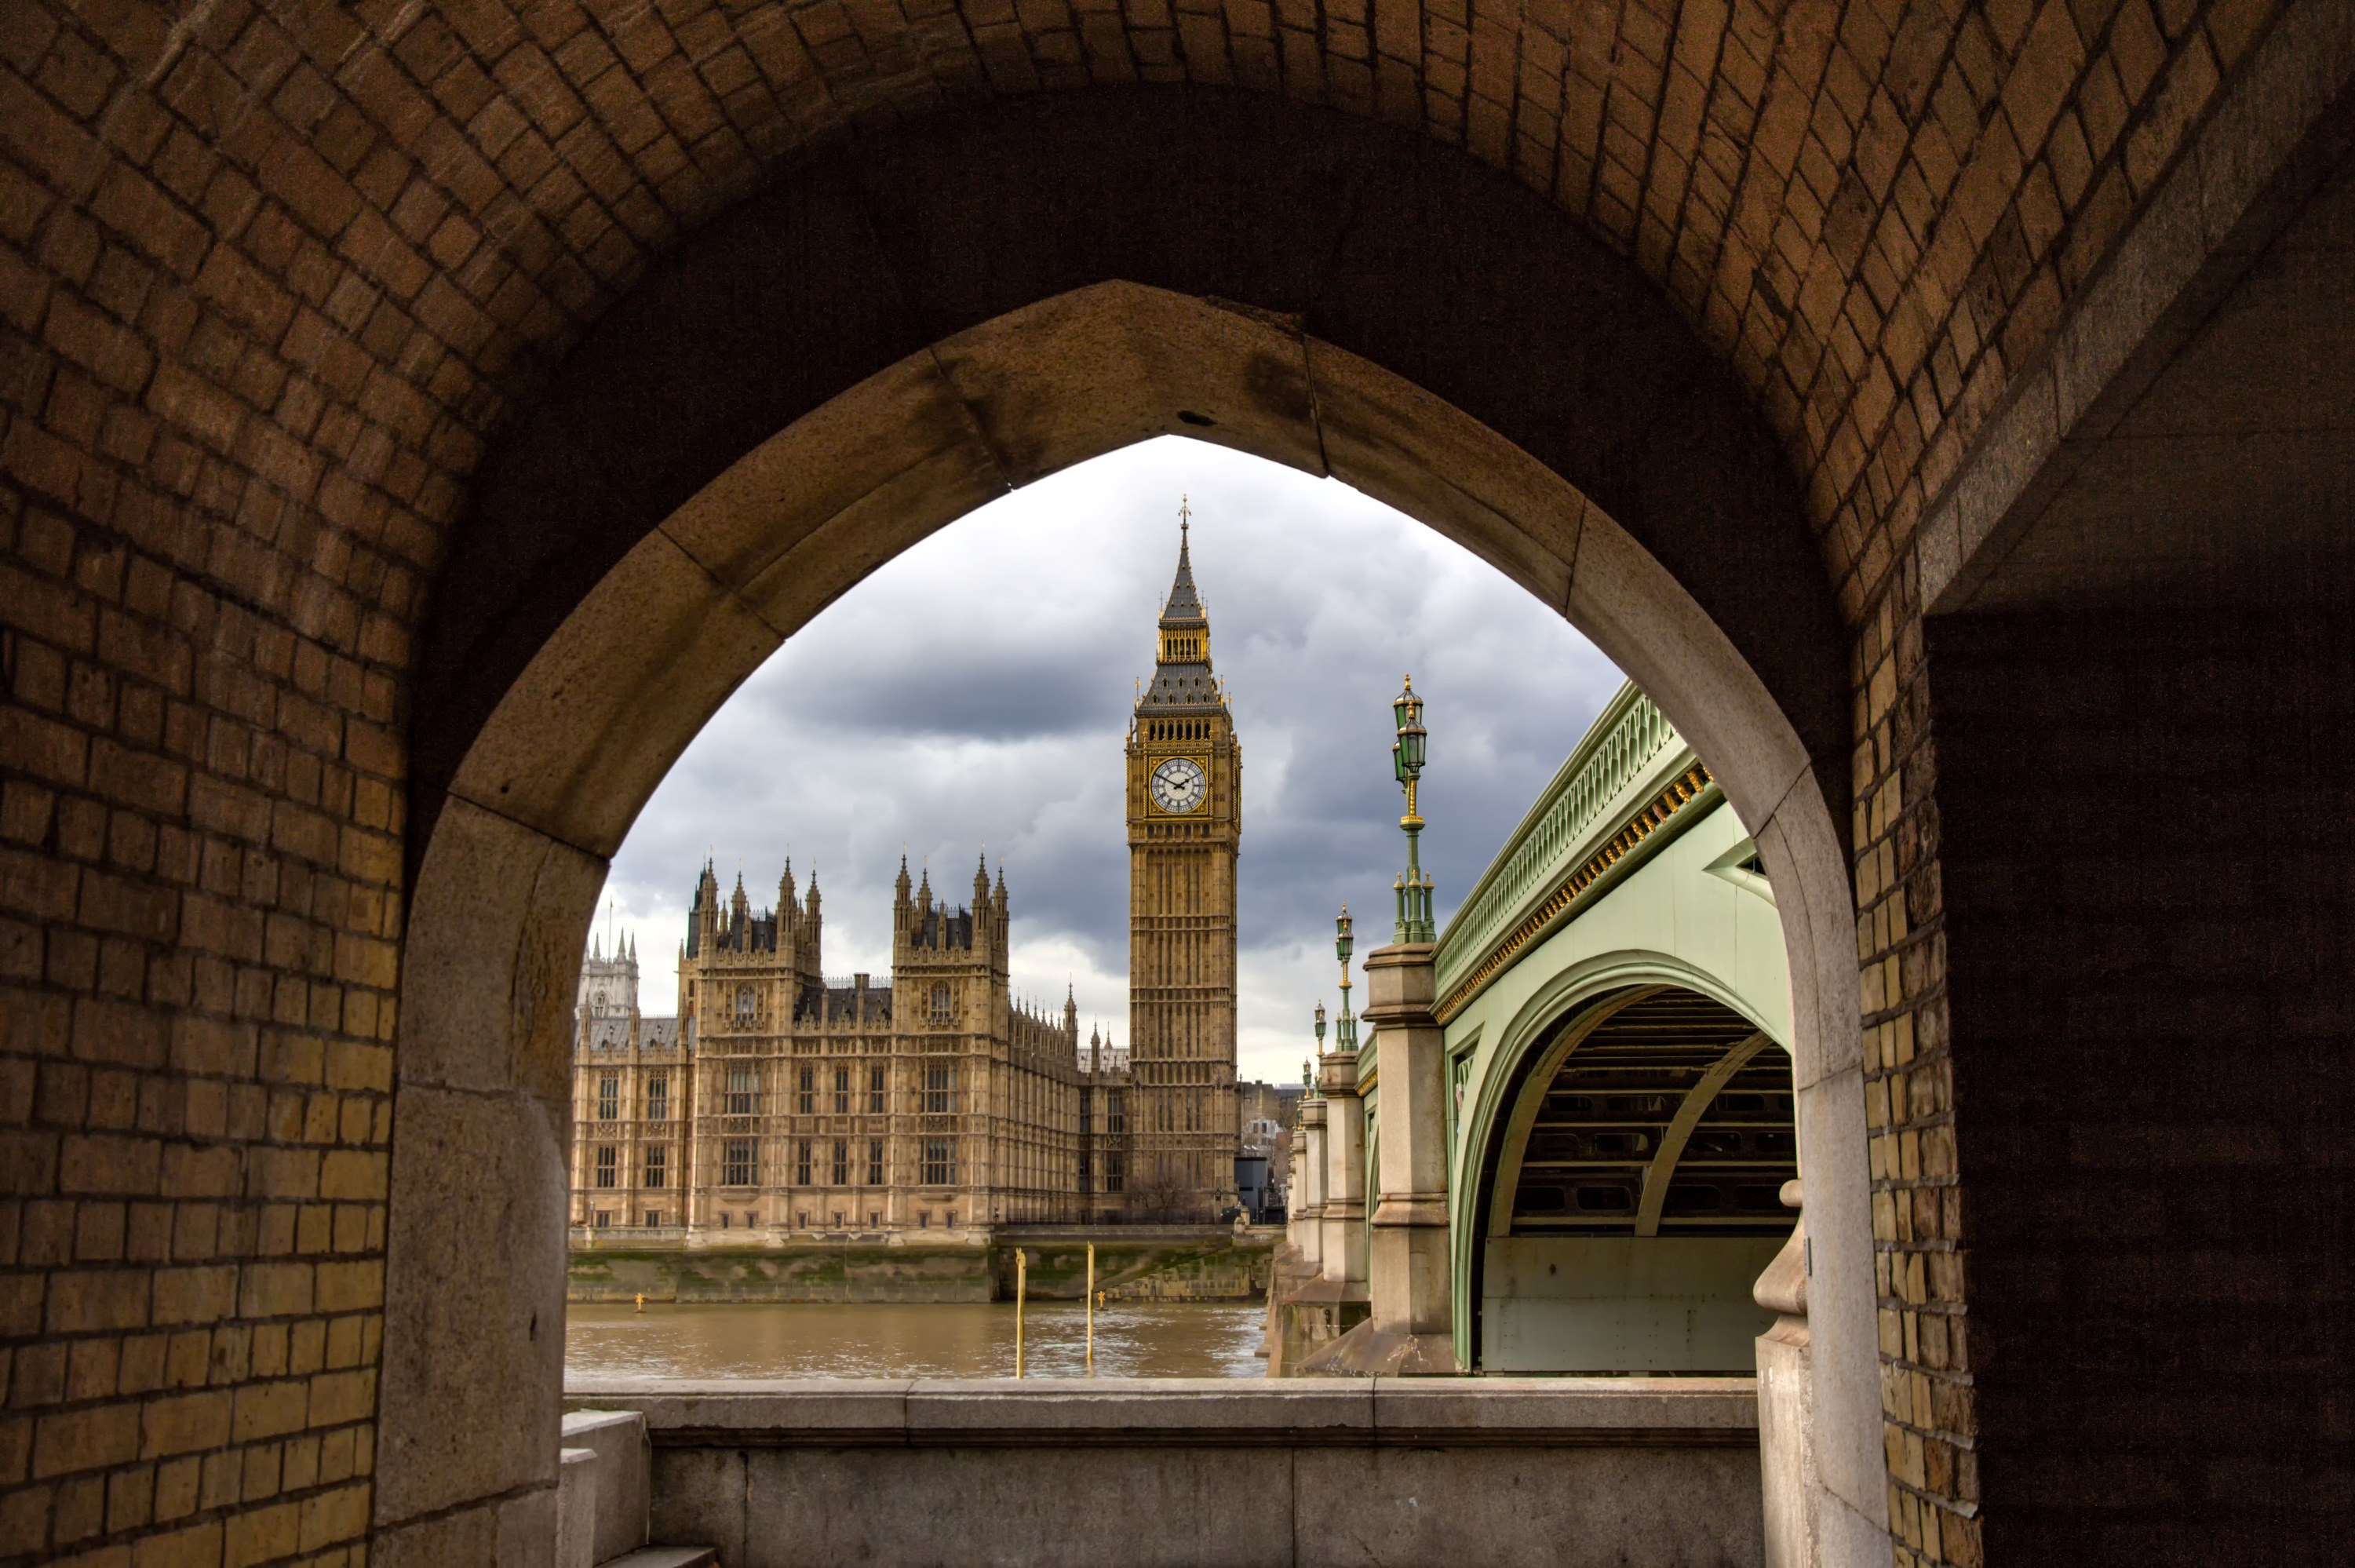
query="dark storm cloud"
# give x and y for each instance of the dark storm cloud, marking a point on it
(977, 690)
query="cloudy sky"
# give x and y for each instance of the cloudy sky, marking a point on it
(976, 690)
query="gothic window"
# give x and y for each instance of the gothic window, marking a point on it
(657, 1166)
(940, 1089)
(802, 1163)
(841, 1164)
(658, 1097)
(736, 1163)
(941, 1012)
(744, 1007)
(875, 1162)
(939, 1163)
(609, 1096)
(808, 1103)
(1116, 1112)
(653, 1218)
(1116, 1172)
(875, 1103)
(842, 1090)
(742, 1098)
(607, 1163)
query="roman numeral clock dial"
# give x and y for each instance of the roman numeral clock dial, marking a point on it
(1179, 785)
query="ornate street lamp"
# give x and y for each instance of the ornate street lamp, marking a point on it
(1344, 943)
(1320, 1029)
(1413, 889)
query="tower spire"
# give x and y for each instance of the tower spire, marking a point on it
(1184, 605)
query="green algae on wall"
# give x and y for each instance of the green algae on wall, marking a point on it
(1177, 1264)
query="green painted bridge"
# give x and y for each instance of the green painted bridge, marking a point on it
(1613, 1019)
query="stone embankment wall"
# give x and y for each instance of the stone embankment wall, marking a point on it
(1138, 1264)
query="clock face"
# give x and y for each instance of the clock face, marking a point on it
(1179, 785)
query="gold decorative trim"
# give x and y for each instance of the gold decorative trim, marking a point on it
(1679, 794)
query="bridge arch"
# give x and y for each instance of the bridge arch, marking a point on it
(1499, 1124)
(894, 337)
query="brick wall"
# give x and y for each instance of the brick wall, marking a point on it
(2143, 848)
(274, 276)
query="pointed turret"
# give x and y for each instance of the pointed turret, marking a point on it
(703, 914)
(1184, 605)
(1070, 1014)
(1181, 674)
(808, 960)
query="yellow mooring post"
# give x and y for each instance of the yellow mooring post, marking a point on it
(1021, 1287)
(1091, 1309)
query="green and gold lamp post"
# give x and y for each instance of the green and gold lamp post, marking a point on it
(1414, 889)
(1345, 1033)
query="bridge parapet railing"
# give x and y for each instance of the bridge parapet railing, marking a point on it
(1612, 787)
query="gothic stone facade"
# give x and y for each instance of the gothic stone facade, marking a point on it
(780, 1100)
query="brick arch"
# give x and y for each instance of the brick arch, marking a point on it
(570, 745)
(1874, 212)
(277, 276)
(1385, 247)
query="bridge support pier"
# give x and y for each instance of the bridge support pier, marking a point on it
(1411, 1328)
(1316, 1314)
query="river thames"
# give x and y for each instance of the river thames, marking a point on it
(974, 1340)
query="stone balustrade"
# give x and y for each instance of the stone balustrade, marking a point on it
(1367, 1472)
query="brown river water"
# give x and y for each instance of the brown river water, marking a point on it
(969, 1340)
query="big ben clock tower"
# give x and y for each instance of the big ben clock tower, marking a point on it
(1185, 817)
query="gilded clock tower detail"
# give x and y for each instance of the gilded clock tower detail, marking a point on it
(1185, 817)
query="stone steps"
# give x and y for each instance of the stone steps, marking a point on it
(601, 1496)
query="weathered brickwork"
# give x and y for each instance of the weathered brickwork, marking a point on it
(1917, 1206)
(274, 275)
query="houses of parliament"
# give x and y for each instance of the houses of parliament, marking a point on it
(777, 1098)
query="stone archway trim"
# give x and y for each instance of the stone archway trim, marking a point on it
(579, 738)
